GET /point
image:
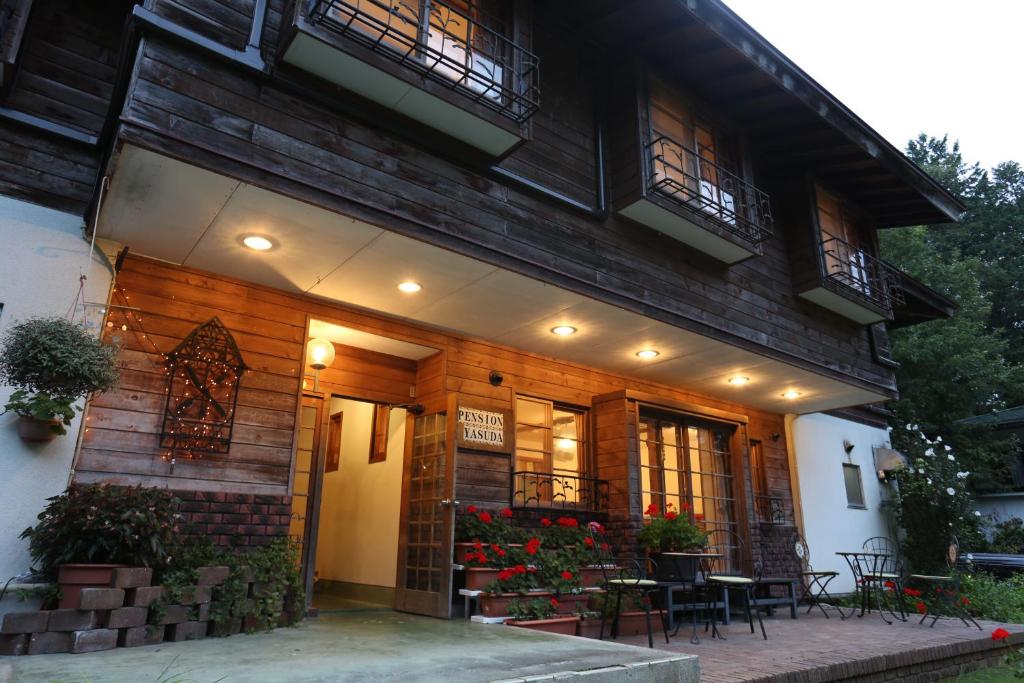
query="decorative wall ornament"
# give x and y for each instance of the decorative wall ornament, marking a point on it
(202, 392)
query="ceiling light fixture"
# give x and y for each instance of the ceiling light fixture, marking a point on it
(258, 242)
(738, 380)
(566, 443)
(563, 330)
(647, 354)
(409, 287)
(791, 394)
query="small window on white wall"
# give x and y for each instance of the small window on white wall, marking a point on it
(854, 488)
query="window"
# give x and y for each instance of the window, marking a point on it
(840, 227)
(691, 158)
(550, 451)
(854, 488)
(764, 504)
(464, 39)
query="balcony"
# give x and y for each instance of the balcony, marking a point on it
(459, 74)
(544, 491)
(689, 197)
(855, 284)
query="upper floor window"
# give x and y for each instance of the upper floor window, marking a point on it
(463, 40)
(550, 456)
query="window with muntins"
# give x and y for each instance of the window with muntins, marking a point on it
(550, 455)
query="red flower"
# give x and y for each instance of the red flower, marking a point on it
(686, 507)
(1000, 634)
(520, 569)
(544, 521)
(964, 601)
(532, 546)
(588, 541)
(471, 509)
(485, 517)
(568, 522)
(921, 607)
(889, 586)
(506, 512)
(605, 547)
(506, 574)
(478, 546)
(652, 510)
(699, 516)
(912, 592)
(596, 527)
(670, 515)
(554, 602)
(567, 575)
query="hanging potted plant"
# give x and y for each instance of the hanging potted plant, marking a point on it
(541, 614)
(53, 362)
(86, 532)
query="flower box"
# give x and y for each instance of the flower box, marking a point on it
(567, 604)
(477, 578)
(633, 624)
(593, 576)
(564, 625)
(590, 627)
(496, 604)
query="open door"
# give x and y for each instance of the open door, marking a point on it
(306, 483)
(428, 513)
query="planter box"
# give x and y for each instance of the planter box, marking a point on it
(74, 577)
(633, 624)
(593, 575)
(477, 578)
(564, 625)
(590, 627)
(567, 603)
(496, 604)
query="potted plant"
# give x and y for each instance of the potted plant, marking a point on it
(509, 583)
(631, 614)
(541, 614)
(86, 532)
(560, 573)
(53, 363)
(475, 526)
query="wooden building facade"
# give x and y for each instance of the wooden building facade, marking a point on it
(663, 183)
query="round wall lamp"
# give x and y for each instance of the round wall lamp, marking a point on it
(319, 353)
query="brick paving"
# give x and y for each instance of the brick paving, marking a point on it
(813, 649)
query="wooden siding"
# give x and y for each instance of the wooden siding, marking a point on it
(186, 106)
(121, 444)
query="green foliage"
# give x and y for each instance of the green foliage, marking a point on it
(105, 524)
(532, 610)
(57, 360)
(971, 364)
(931, 503)
(487, 527)
(670, 531)
(1000, 600)
(1008, 537)
(41, 407)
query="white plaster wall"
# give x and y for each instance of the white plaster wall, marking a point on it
(42, 253)
(830, 525)
(361, 502)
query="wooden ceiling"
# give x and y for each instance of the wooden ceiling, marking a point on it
(792, 125)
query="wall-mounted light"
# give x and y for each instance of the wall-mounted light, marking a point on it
(847, 446)
(495, 378)
(319, 353)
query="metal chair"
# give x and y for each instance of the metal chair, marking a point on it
(947, 587)
(624, 575)
(880, 569)
(733, 551)
(815, 582)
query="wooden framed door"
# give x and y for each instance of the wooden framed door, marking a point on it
(307, 481)
(425, 538)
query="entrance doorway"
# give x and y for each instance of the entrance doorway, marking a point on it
(355, 563)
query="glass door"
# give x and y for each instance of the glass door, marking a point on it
(305, 498)
(428, 515)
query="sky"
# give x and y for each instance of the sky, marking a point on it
(912, 66)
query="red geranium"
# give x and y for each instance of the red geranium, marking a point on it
(520, 569)
(554, 602)
(544, 521)
(478, 545)
(485, 517)
(506, 512)
(921, 607)
(568, 522)
(912, 592)
(1000, 634)
(652, 510)
(686, 507)
(532, 546)
(471, 509)
(567, 575)
(889, 586)
(670, 515)
(595, 527)
(588, 541)
(605, 547)
(506, 574)
(964, 601)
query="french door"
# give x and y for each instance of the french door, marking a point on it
(428, 513)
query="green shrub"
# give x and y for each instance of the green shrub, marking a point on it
(104, 524)
(1008, 537)
(995, 599)
(670, 531)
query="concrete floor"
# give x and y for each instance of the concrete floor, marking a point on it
(367, 646)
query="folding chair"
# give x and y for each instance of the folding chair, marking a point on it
(734, 554)
(815, 582)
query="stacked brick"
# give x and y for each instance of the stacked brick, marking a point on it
(125, 614)
(236, 519)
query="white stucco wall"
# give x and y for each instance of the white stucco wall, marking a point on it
(357, 540)
(830, 525)
(42, 253)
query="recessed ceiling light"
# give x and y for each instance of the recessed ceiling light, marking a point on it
(409, 287)
(647, 353)
(791, 394)
(563, 330)
(738, 380)
(258, 242)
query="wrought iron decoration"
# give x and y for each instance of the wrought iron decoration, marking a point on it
(202, 392)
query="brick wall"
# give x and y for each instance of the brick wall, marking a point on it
(236, 519)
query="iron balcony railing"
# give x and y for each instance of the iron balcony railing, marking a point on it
(698, 184)
(770, 510)
(861, 274)
(466, 54)
(559, 492)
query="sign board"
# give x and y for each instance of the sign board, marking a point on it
(484, 430)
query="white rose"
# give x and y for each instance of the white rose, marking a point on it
(909, 427)
(950, 456)
(950, 491)
(938, 439)
(977, 513)
(948, 448)
(929, 480)
(920, 471)
(930, 452)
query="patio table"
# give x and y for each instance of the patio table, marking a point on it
(699, 566)
(868, 574)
